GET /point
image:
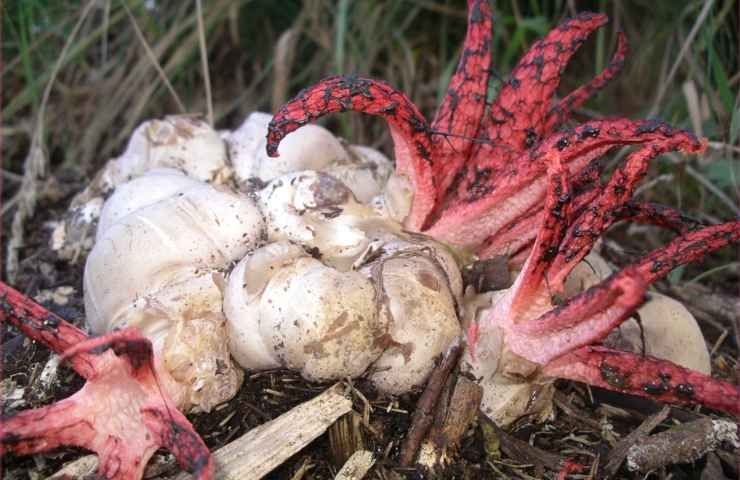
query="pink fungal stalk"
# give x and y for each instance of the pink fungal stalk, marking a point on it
(510, 178)
(122, 413)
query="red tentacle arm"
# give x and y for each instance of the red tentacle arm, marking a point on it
(519, 235)
(415, 156)
(561, 112)
(614, 195)
(517, 117)
(541, 333)
(586, 318)
(656, 214)
(122, 413)
(645, 376)
(488, 199)
(686, 249)
(462, 109)
(46, 327)
(551, 231)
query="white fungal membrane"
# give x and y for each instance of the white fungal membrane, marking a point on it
(288, 309)
(326, 284)
(157, 267)
(184, 143)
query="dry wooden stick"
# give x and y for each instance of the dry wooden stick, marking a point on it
(684, 443)
(423, 416)
(619, 452)
(357, 466)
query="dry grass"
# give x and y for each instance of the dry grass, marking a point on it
(137, 59)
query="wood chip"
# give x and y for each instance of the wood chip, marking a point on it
(681, 444)
(356, 466)
(452, 419)
(263, 448)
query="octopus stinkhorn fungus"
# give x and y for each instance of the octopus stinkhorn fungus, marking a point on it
(511, 178)
(122, 413)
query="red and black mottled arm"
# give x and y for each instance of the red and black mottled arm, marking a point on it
(414, 152)
(459, 116)
(560, 113)
(645, 376)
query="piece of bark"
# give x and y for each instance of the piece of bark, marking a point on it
(423, 416)
(357, 466)
(619, 452)
(729, 460)
(263, 448)
(684, 443)
(452, 419)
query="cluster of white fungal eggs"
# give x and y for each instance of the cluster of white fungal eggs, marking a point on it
(216, 251)
(213, 250)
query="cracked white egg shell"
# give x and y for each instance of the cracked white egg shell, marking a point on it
(311, 147)
(309, 317)
(184, 143)
(320, 212)
(198, 229)
(511, 388)
(366, 173)
(421, 316)
(396, 198)
(155, 185)
(669, 331)
(363, 169)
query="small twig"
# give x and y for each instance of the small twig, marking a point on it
(619, 452)
(457, 408)
(724, 146)
(204, 60)
(684, 443)
(13, 177)
(560, 400)
(721, 196)
(357, 466)
(423, 416)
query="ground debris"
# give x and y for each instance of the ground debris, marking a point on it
(619, 452)
(681, 444)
